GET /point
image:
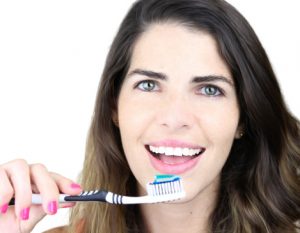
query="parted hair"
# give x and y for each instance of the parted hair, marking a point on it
(260, 188)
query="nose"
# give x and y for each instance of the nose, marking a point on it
(175, 113)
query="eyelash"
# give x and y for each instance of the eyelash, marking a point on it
(219, 90)
(155, 84)
(139, 85)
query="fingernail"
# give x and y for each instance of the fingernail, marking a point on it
(25, 213)
(3, 208)
(75, 186)
(52, 207)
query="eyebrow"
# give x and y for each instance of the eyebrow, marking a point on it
(148, 73)
(196, 79)
(212, 78)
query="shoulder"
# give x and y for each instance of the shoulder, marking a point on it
(62, 229)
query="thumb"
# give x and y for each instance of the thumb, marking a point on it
(36, 214)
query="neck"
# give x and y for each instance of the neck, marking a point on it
(191, 216)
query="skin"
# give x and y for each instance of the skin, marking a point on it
(177, 108)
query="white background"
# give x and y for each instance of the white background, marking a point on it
(51, 59)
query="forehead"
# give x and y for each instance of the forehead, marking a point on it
(171, 46)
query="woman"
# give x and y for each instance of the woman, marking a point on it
(181, 74)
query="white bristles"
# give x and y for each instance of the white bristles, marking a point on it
(164, 188)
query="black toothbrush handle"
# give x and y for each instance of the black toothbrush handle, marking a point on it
(88, 196)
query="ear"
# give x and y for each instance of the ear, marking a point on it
(115, 118)
(240, 131)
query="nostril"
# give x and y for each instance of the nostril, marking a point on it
(175, 125)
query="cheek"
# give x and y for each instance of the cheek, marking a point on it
(135, 111)
(133, 119)
(220, 124)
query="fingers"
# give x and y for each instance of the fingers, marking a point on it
(19, 177)
(65, 185)
(6, 191)
(46, 187)
(50, 185)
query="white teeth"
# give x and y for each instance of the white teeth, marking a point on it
(174, 151)
(169, 151)
(185, 151)
(161, 150)
(178, 151)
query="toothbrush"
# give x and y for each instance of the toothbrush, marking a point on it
(164, 188)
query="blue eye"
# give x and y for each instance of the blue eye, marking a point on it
(147, 85)
(210, 90)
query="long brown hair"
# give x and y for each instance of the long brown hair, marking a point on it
(260, 188)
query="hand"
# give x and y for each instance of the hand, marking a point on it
(19, 179)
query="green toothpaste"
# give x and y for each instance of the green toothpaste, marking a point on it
(162, 178)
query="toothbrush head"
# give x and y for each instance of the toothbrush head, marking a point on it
(166, 187)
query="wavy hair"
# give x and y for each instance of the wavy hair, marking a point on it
(260, 188)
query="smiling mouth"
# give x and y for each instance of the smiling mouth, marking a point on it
(174, 155)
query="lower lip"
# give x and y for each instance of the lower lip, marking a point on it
(173, 168)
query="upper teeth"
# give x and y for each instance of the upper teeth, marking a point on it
(174, 151)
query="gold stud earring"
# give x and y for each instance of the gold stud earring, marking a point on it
(241, 134)
(115, 121)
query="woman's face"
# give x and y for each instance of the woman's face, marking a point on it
(177, 109)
